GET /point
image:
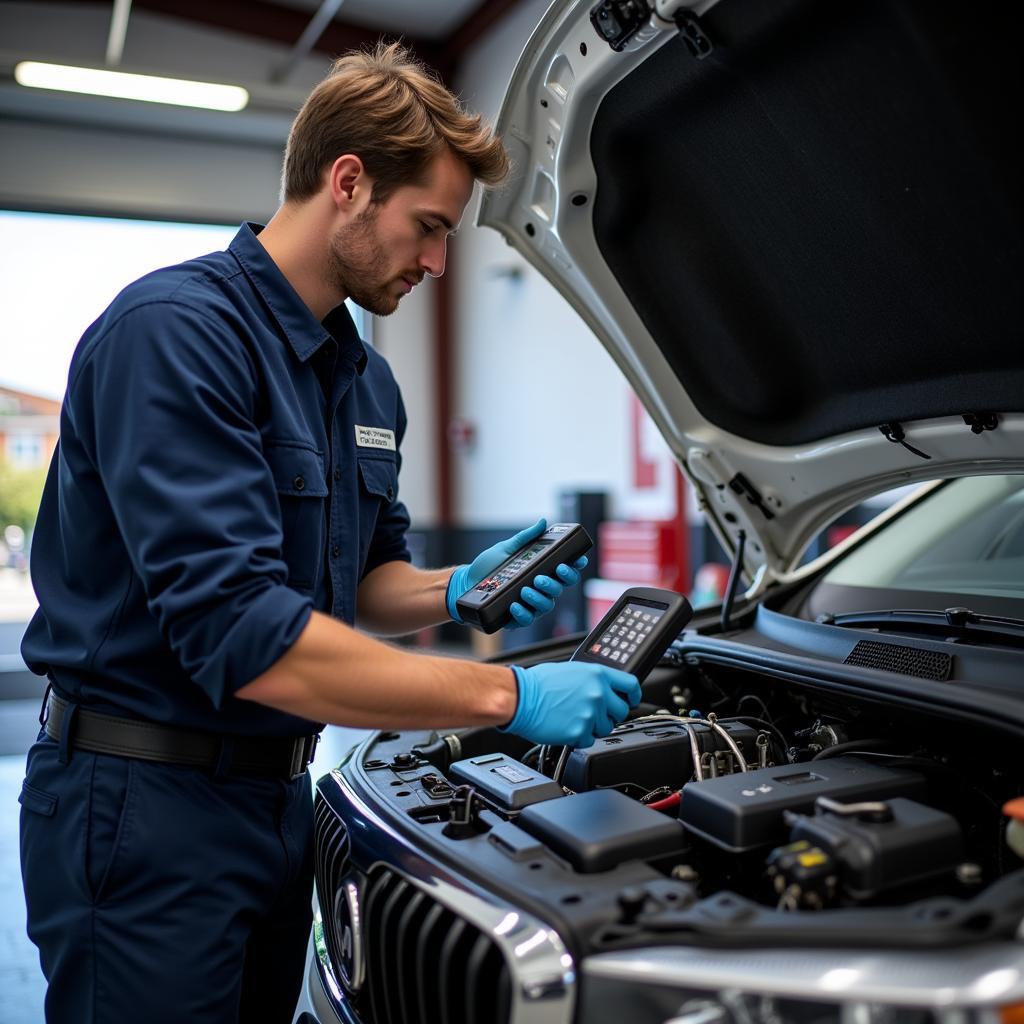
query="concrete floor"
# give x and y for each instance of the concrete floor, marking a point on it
(21, 981)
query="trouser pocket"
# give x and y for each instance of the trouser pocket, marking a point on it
(38, 801)
(108, 821)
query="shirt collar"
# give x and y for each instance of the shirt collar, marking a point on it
(300, 327)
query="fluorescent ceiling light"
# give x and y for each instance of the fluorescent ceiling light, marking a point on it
(149, 88)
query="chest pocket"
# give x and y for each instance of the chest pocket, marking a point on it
(378, 486)
(301, 493)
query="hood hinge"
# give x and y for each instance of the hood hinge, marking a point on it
(741, 485)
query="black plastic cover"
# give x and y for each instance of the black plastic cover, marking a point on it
(745, 812)
(505, 780)
(599, 830)
(917, 843)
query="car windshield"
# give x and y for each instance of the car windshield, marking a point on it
(966, 538)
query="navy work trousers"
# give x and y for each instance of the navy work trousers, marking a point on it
(159, 893)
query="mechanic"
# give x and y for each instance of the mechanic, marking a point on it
(221, 511)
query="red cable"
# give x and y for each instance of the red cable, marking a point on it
(673, 800)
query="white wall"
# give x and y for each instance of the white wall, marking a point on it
(406, 339)
(551, 407)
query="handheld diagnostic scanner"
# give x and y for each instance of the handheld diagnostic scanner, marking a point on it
(636, 631)
(487, 605)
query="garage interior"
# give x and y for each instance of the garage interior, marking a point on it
(96, 191)
(68, 162)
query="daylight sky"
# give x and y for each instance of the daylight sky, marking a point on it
(58, 273)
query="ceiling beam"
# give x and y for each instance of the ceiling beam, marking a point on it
(318, 24)
(118, 30)
(275, 23)
(278, 24)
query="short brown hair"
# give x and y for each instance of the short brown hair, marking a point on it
(388, 109)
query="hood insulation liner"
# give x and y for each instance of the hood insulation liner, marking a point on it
(820, 222)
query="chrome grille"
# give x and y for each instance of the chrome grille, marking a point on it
(425, 963)
(331, 843)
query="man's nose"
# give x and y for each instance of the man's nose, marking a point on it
(433, 255)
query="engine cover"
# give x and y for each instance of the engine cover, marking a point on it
(597, 831)
(745, 812)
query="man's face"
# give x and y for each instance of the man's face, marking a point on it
(385, 250)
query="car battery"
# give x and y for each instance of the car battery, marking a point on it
(746, 812)
(899, 844)
(651, 754)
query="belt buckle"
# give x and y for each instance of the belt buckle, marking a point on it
(303, 751)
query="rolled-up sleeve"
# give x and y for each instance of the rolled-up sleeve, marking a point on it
(165, 405)
(388, 543)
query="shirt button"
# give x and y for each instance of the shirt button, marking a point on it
(335, 551)
(391, 494)
(299, 483)
(337, 474)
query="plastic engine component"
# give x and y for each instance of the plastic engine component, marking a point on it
(505, 781)
(745, 812)
(915, 843)
(599, 830)
(650, 754)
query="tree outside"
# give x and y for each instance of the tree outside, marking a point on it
(20, 491)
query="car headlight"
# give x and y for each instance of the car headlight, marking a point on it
(323, 956)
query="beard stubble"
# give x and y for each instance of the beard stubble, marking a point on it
(357, 264)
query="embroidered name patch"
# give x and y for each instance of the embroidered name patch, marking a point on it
(375, 437)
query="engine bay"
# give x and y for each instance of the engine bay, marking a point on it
(728, 809)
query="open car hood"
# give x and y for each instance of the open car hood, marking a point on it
(795, 227)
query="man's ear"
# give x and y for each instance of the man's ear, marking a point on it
(348, 182)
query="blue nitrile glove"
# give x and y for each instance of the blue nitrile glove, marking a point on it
(571, 703)
(536, 600)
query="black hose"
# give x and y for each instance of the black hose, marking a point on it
(842, 748)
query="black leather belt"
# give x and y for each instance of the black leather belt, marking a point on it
(279, 757)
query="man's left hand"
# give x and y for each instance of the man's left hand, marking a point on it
(536, 599)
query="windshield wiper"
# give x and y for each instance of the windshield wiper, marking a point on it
(961, 621)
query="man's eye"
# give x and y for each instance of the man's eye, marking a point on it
(425, 227)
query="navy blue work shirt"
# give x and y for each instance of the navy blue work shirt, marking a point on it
(226, 464)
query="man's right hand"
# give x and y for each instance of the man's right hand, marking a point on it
(571, 703)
